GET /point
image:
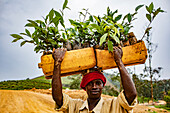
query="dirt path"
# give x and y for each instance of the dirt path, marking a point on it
(25, 102)
(40, 101)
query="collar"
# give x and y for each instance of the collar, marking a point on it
(97, 109)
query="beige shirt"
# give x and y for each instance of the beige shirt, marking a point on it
(110, 105)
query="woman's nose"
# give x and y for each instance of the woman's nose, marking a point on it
(94, 85)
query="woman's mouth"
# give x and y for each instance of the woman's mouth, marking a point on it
(94, 92)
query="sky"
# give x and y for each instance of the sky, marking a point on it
(18, 63)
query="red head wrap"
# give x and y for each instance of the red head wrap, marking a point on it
(90, 77)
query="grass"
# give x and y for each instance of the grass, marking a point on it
(24, 84)
(42, 78)
(64, 80)
(39, 83)
(163, 107)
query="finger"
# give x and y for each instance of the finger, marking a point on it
(63, 55)
(65, 49)
(121, 50)
(114, 48)
(119, 46)
(53, 50)
(58, 50)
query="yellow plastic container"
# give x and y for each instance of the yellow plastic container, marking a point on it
(132, 55)
(74, 62)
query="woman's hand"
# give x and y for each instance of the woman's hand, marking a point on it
(58, 54)
(118, 53)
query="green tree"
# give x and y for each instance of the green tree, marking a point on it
(167, 99)
(116, 77)
(108, 90)
(76, 80)
(153, 73)
(151, 47)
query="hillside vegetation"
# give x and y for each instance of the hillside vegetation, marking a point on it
(39, 83)
(25, 84)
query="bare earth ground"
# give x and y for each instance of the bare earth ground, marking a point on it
(40, 101)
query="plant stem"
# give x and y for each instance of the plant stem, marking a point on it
(146, 29)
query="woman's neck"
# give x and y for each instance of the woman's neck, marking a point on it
(92, 103)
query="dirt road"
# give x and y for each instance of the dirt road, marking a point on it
(25, 102)
(40, 101)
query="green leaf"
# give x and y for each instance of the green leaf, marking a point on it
(106, 28)
(118, 18)
(108, 10)
(33, 23)
(65, 4)
(81, 13)
(121, 27)
(91, 18)
(62, 22)
(39, 21)
(68, 8)
(37, 49)
(31, 41)
(147, 8)
(29, 25)
(134, 14)
(36, 40)
(125, 17)
(161, 11)
(97, 19)
(57, 14)
(157, 11)
(74, 23)
(17, 36)
(22, 43)
(23, 34)
(63, 35)
(15, 40)
(103, 38)
(51, 14)
(95, 26)
(126, 30)
(71, 21)
(28, 33)
(116, 31)
(151, 6)
(148, 16)
(129, 17)
(138, 7)
(56, 20)
(62, 13)
(115, 38)
(110, 46)
(114, 12)
(148, 29)
(46, 18)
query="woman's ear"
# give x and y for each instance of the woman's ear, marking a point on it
(85, 88)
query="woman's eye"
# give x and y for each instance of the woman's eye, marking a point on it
(90, 83)
(98, 83)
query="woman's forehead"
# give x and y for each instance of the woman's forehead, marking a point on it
(96, 80)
